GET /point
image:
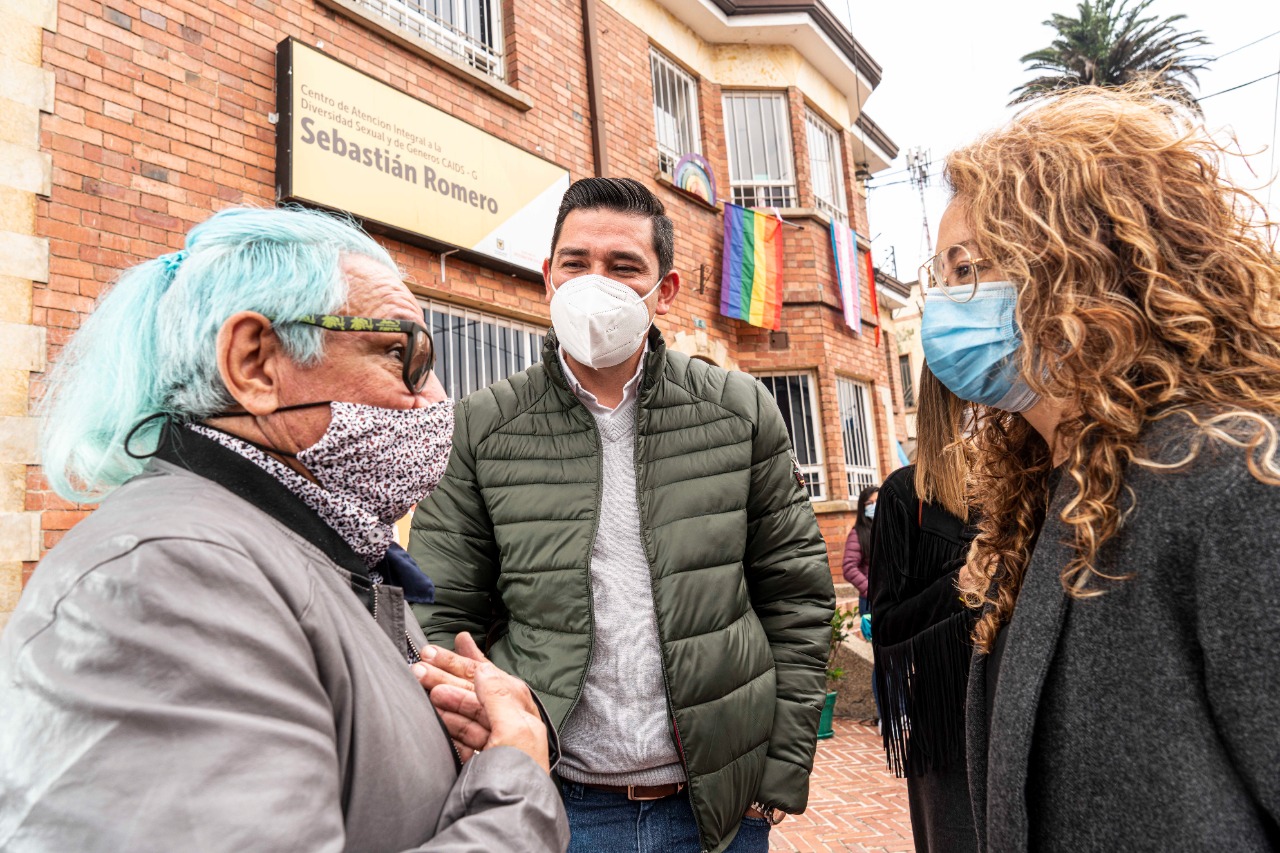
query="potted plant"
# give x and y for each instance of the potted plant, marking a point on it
(843, 623)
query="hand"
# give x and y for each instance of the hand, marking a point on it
(481, 705)
(449, 678)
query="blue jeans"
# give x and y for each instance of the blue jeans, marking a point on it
(602, 822)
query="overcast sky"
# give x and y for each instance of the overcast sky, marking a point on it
(949, 67)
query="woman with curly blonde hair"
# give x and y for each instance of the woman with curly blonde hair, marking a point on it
(1114, 302)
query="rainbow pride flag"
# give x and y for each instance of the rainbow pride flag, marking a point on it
(751, 281)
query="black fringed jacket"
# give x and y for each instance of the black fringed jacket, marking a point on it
(920, 629)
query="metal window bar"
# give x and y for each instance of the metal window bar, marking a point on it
(855, 427)
(796, 400)
(826, 172)
(675, 111)
(468, 29)
(758, 139)
(474, 349)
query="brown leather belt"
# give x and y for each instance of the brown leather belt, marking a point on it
(641, 792)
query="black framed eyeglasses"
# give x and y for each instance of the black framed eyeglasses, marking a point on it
(419, 358)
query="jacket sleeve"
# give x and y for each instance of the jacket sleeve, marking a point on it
(452, 540)
(789, 580)
(185, 712)
(501, 799)
(852, 565)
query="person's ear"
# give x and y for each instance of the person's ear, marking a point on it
(249, 361)
(667, 291)
(546, 277)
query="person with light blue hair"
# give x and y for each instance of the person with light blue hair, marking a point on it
(222, 656)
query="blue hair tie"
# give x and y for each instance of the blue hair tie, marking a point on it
(172, 261)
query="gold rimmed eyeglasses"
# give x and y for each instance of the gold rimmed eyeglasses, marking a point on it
(954, 271)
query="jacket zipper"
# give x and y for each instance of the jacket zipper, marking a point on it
(662, 651)
(595, 528)
(414, 655)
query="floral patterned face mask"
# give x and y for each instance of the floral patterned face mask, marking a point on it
(382, 460)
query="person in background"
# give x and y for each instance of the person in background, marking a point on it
(627, 528)
(857, 554)
(1106, 290)
(857, 549)
(219, 657)
(920, 626)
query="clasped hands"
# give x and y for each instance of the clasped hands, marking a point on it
(481, 706)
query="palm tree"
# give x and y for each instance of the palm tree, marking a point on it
(1111, 44)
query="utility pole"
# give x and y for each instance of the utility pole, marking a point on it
(918, 169)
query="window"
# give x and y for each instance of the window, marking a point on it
(908, 386)
(855, 427)
(468, 29)
(796, 399)
(474, 350)
(825, 170)
(675, 112)
(758, 138)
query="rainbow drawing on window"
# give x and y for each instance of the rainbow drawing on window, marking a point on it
(693, 175)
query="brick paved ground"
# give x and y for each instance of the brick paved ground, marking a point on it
(854, 803)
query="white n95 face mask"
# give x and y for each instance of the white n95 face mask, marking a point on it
(599, 321)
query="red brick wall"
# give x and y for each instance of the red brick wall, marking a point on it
(162, 117)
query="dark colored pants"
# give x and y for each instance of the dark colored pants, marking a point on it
(603, 822)
(941, 812)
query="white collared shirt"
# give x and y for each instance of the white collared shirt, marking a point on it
(629, 391)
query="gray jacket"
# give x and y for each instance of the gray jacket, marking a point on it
(186, 671)
(1147, 718)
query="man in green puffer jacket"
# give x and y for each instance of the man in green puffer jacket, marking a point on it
(627, 528)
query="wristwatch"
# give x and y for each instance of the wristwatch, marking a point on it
(771, 814)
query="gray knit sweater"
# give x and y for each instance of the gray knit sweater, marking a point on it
(620, 732)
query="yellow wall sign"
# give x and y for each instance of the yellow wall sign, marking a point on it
(348, 142)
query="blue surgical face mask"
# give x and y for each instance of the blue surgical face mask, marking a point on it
(869, 510)
(972, 346)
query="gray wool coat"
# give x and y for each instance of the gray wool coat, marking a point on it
(190, 670)
(1147, 718)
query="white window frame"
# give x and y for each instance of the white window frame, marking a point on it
(675, 111)
(826, 171)
(858, 434)
(808, 454)
(456, 27)
(479, 361)
(758, 176)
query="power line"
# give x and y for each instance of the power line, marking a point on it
(1275, 122)
(1241, 86)
(907, 169)
(910, 180)
(1243, 46)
